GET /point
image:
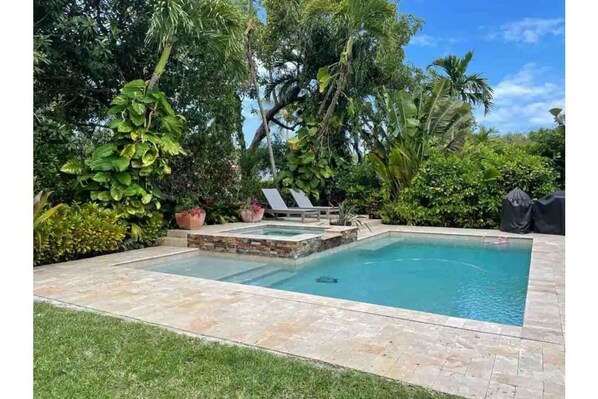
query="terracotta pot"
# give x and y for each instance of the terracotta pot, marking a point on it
(189, 221)
(249, 216)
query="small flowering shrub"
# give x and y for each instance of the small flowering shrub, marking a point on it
(252, 205)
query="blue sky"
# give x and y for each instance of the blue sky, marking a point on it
(518, 45)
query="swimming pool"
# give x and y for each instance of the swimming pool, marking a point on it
(281, 231)
(456, 277)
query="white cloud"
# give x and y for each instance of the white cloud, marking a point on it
(522, 100)
(529, 30)
(431, 41)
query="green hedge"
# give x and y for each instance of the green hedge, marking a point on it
(78, 231)
(359, 186)
(466, 190)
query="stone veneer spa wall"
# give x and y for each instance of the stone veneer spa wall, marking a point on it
(281, 248)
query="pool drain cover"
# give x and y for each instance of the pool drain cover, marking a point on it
(327, 279)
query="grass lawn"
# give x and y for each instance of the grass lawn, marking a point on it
(86, 355)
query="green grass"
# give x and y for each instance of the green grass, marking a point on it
(86, 355)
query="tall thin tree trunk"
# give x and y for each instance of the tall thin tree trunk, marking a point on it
(253, 73)
(161, 65)
(342, 81)
(332, 106)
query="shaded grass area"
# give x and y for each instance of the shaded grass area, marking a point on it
(86, 355)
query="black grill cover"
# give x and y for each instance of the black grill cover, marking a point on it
(549, 214)
(516, 215)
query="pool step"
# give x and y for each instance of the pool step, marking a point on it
(173, 241)
(251, 274)
(371, 222)
(177, 233)
(377, 245)
(272, 278)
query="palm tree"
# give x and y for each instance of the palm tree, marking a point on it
(410, 125)
(218, 21)
(357, 18)
(484, 133)
(471, 88)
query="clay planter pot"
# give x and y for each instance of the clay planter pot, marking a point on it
(249, 216)
(189, 221)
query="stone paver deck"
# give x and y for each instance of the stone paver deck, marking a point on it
(459, 356)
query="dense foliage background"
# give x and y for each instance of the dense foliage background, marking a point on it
(349, 120)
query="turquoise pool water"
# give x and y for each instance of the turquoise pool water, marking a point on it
(478, 281)
(281, 231)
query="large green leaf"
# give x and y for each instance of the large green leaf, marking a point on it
(72, 167)
(138, 120)
(104, 151)
(132, 190)
(115, 123)
(115, 110)
(146, 170)
(146, 198)
(149, 157)
(101, 177)
(116, 193)
(102, 164)
(137, 108)
(121, 164)
(323, 77)
(140, 150)
(124, 178)
(104, 196)
(135, 84)
(120, 100)
(308, 157)
(128, 151)
(124, 128)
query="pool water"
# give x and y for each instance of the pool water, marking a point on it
(280, 231)
(486, 282)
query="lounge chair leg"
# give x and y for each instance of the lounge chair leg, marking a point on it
(303, 218)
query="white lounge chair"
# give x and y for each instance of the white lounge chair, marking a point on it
(278, 207)
(304, 203)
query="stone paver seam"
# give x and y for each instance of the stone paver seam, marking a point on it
(491, 374)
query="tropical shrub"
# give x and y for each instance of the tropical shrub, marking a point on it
(411, 125)
(78, 231)
(152, 228)
(207, 171)
(221, 211)
(123, 173)
(359, 185)
(42, 215)
(550, 143)
(308, 165)
(466, 190)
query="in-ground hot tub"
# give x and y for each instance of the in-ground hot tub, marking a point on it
(279, 231)
(283, 241)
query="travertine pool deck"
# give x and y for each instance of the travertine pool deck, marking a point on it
(460, 356)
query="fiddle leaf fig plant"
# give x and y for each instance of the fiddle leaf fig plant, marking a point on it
(122, 173)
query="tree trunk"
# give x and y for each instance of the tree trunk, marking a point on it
(253, 74)
(332, 106)
(161, 65)
(344, 75)
(260, 133)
